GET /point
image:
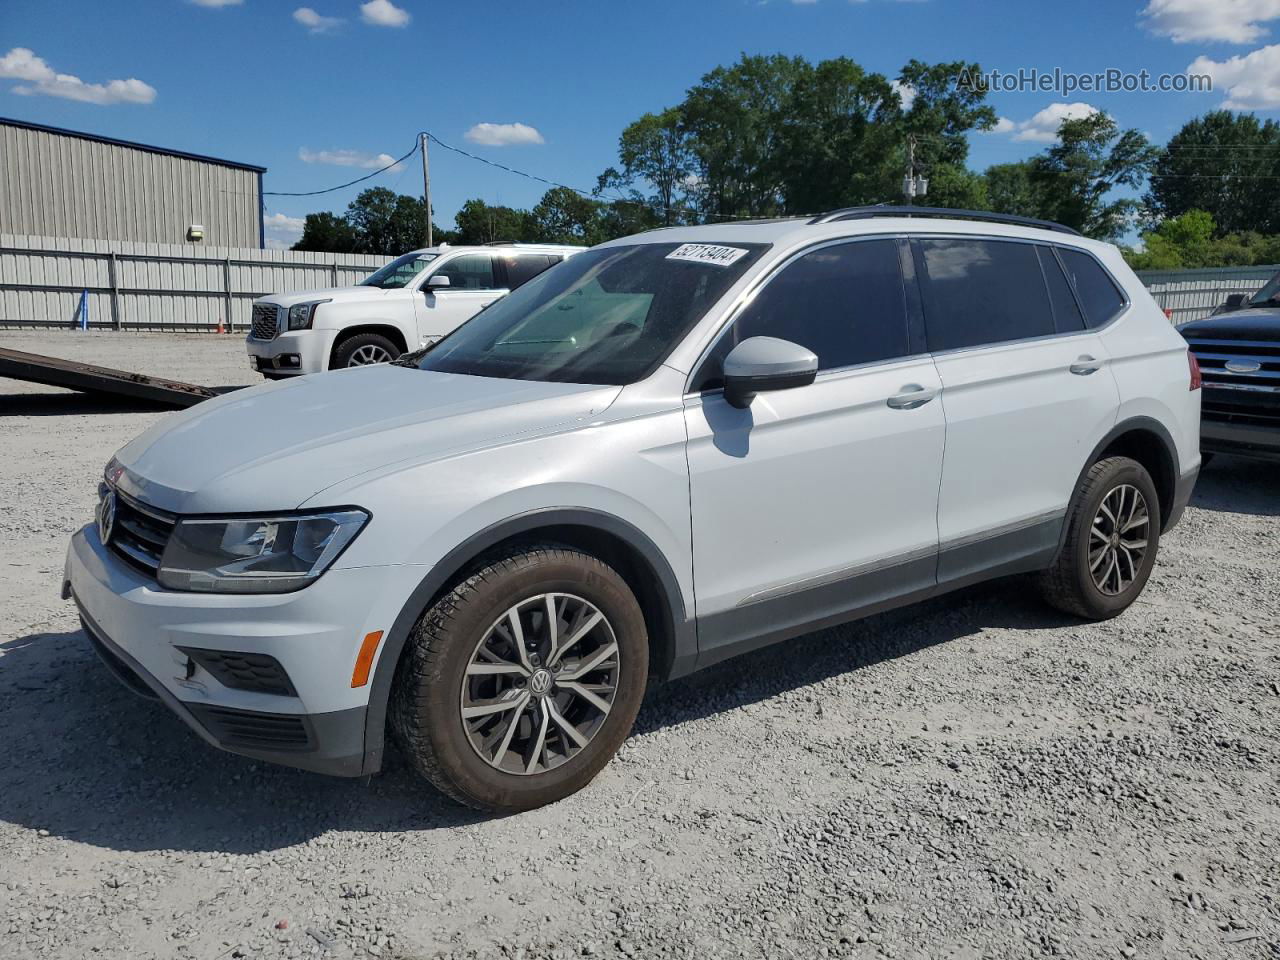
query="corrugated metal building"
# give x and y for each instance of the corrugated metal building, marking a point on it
(61, 183)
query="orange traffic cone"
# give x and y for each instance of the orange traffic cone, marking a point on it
(220, 330)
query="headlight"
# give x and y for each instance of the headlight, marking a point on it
(301, 314)
(256, 555)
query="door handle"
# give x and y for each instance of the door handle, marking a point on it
(911, 396)
(1085, 365)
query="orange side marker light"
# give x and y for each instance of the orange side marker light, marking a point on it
(364, 659)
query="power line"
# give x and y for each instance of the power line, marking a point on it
(341, 186)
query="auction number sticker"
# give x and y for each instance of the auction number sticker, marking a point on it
(707, 253)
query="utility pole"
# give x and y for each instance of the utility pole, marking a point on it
(426, 184)
(913, 186)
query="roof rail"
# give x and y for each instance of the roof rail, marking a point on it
(886, 210)
(503, 243)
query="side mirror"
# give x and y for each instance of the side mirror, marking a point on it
(1235, 301)
(438, 281)
(759, 364)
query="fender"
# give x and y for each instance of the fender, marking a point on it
(1171, 451)
(681, 625)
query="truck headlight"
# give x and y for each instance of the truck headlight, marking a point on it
(257, 554)
(301, 314)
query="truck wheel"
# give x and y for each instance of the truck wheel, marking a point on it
(1113, 532)
(519, 684)
(363, 349)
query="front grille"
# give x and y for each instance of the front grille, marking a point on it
(257, 672)
(265, 325)
(249, 730)
(1214, 355)
(140, 533)
(1243, 414)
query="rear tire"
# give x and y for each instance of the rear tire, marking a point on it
(363, 349)
(463, 660)
(1113, 533)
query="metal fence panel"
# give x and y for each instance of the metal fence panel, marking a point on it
(1191, 294)
(153, 286)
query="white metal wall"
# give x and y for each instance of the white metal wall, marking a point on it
(56, 184)
(156, 286)
(1191, 294)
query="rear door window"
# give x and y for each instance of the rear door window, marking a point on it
(1098, 294)
(979, 292)
(1067, 317)
(524, 267)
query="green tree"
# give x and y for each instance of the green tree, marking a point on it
(566, 216)
(656, 151)
(1075, 177)
(387, 223)
(837, 138)
(1010, 189)
(478, 222)
(1226, 164)
(327, 232)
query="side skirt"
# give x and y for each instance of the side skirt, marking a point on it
(782, 614)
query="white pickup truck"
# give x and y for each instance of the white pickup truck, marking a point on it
(412, 301)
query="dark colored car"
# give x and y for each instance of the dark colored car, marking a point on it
(1239, 355)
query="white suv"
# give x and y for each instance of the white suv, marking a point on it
(410, 302)
(670, 449)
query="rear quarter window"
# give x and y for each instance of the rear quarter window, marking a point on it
(1099, 296)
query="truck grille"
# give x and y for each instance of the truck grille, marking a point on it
(140, 533)
(265, 325)
(1217, 357)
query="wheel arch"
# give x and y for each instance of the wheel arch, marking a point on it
(386, 329)
(1149, 442)
(673, 643)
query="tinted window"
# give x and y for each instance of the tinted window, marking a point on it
(609, 315)
(399, 272)
(1067, 317)
(845, 303)
(1098, 294)
(522, 269)
(469, 272)
(982, 291)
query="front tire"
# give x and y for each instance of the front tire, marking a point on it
(363, 349)
(520, 684)
(1113, 533)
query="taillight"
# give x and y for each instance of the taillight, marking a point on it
(1196, 380)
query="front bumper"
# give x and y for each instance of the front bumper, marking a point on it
(1182, 491)
(294, 353)
(1240, 439)
(141, 632)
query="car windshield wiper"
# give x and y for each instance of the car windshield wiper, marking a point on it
(413, 357)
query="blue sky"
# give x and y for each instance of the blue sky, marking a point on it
(309, 94)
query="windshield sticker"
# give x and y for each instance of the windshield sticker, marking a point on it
(707, 253)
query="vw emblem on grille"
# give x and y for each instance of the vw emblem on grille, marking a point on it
(1243, 366)
(107, 516)
(540, 683)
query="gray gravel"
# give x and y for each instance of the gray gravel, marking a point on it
(975, 777)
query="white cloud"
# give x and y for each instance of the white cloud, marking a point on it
(1252, 82)
(503, 134)
(282, 232)
(906, 92)
(1228, 21)
(217, 3)
(1043, 127)
(313, 21)
(384, 13)
(39, 79)
(346, 158)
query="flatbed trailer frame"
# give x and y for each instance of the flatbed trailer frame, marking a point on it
(57, 372)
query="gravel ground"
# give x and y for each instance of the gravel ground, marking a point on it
(975, 777)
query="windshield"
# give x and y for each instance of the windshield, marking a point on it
(606, 316)
(1268, 293)
(398, 272)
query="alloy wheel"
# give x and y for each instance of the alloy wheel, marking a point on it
(540, 683)
(369, 353)
(1118, 539)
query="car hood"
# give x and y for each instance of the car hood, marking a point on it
(1255, 323)
(336, 294)
(272, 447)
